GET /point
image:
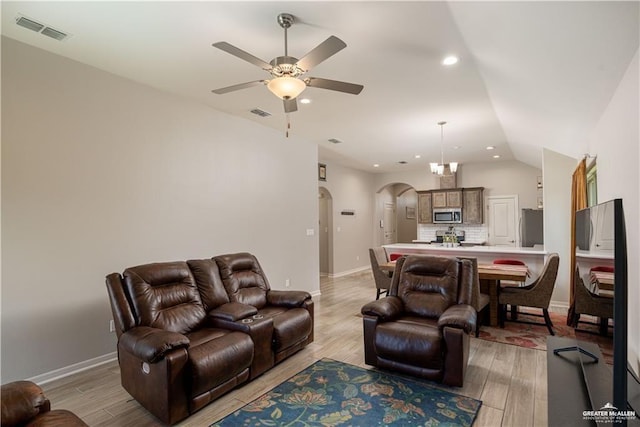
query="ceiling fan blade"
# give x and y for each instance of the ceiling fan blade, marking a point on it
(229, 48)
(228, 89)
(290, 105)
(351, 88)
(324, 50)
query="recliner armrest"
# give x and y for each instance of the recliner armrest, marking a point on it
(461, 316)
(385, 309)
(233, 311)
(290, 299)
(151, 344)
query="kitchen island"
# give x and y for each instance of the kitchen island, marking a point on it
(533, 257)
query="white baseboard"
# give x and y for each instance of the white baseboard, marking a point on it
(348, 272)
(73, 369)
(559, 306)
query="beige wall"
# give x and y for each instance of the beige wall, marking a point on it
(100, 173)
(557, 171)
(615, 142)
(352, 234)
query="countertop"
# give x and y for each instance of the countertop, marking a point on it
(463, 243)
(595, 254)
(469, 249)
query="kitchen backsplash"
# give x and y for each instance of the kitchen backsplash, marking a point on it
(472, 233)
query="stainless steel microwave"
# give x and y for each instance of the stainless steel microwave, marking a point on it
(447, 216)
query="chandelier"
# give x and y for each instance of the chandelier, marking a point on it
(439, 168)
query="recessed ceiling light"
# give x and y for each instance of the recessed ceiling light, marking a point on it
(305, 101)
(418, 156)
(456, 147)
(491, 147)
(375, 165)
(496, 156)
(450, 60)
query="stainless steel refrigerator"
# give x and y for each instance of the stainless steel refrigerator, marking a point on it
(531, 227)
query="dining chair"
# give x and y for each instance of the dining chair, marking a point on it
(537, 294)
(479, 300)
(587, 302)
(381, 278)
(509, 283)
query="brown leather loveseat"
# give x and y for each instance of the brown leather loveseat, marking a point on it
(422, 328)
(188, 332)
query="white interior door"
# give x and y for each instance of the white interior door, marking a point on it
(603, 234)
(503, 217)
(389, 223)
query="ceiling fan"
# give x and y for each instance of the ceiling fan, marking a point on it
(287, 72)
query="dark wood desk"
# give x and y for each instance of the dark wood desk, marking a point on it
(491, 274)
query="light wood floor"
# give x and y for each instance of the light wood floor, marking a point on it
(511, 381)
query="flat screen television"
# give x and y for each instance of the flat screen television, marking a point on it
(600, 230)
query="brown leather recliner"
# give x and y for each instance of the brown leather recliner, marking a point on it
(183, 341)
(24, 404)
(291, 311)
(422, 328)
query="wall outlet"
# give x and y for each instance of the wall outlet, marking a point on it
(112, 326)
(287, 283)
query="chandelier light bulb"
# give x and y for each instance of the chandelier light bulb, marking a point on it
(439, 168)
(286, 87)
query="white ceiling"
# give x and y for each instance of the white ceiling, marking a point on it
(531, 74)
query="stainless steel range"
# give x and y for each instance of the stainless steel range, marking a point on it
(441, 233)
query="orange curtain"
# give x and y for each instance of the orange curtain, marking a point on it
(578, 201)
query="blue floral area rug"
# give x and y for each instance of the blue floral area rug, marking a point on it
(331, 393)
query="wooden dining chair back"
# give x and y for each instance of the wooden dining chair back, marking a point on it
(537, 294)
(381, 278)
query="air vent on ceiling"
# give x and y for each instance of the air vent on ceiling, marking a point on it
(261, 113)
(403, 162)
(54, 34)
(40, 28)
(335, 141)
(28, 23)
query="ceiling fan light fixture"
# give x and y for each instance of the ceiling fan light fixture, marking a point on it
(450, 60)
(286, 87)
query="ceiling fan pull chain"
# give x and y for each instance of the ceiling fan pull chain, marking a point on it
(288, 126)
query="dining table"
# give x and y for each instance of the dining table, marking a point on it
(490, 276)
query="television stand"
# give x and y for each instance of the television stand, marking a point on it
(569, 393)
(578, 349)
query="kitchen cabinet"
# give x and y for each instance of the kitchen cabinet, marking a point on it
(473, 205)
(447, 199)
(424, 208)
